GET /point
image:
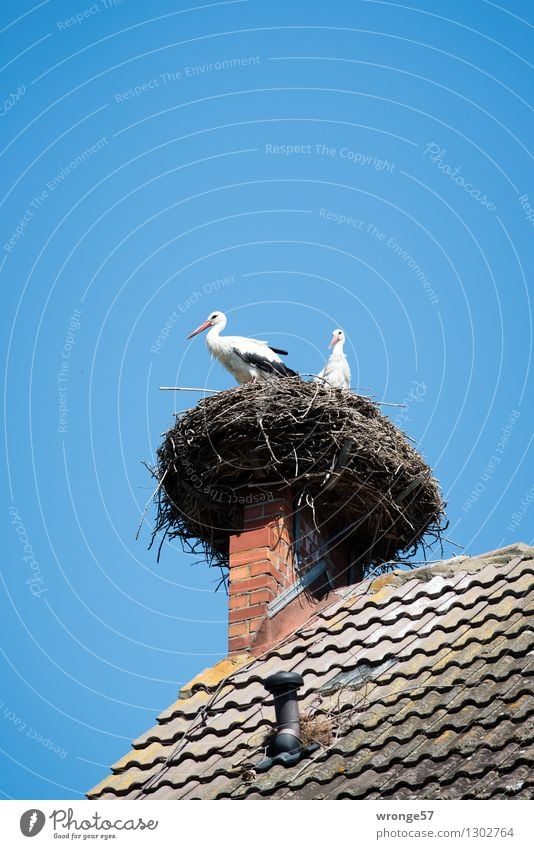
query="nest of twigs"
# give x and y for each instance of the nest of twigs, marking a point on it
(341, 456)
(313, 729)
(316, 729)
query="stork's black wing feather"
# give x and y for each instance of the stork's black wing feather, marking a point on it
(268, 366)
(278, 351)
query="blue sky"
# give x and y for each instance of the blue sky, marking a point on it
(301, 167)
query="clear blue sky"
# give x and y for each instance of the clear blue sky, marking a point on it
(151, 150)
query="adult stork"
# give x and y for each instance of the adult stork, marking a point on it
(245, 359)
(337, 370)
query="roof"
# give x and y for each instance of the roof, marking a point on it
(424, 677)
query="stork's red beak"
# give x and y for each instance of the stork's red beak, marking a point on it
(333, 341)
(202, 327)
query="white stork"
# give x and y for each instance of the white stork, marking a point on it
(336, 371)
(245, 359)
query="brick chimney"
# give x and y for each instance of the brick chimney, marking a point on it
(280, 570)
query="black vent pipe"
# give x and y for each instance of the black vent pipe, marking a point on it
(284, 686)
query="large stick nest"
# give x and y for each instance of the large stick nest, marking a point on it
(358, 472)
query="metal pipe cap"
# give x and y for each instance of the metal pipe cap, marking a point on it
(283, 681)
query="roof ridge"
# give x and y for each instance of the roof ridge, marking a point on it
(471, 563)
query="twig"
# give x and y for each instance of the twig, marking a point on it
(310, 405)
(188, 389)
(418, 479)
(311, 503)
(389, 404)
(451, 542)
(143, 514)
(271, 452)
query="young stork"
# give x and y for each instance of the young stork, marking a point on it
(336, 371)
(245, 359)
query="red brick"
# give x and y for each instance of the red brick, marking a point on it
(258, 567)
(264, 581)
(288, 576)
(254, 624)
(276, 562)
(249, 540)
(262, 595)
(239, 601)
(240, 558)
(263, 567)
(238, 644)
(239, 573)
(238, 629)
(281, 580)
(247, 612)
(281, 538)
(279, 556)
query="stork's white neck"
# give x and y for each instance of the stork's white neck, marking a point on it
(337, 353)
(214, 341)
(215, 331)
